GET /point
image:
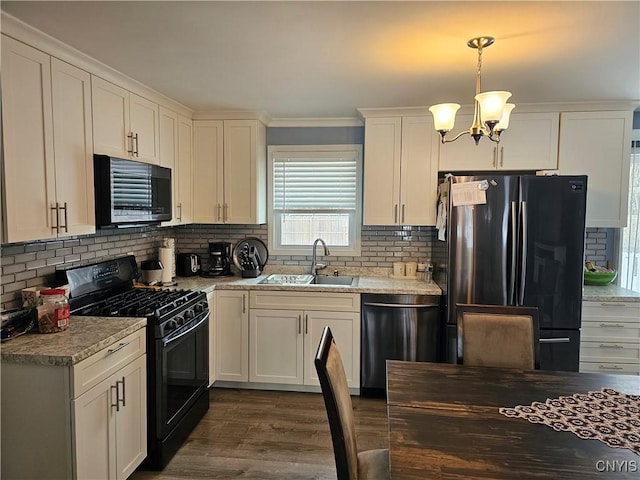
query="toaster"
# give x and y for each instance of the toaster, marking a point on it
(188, 264)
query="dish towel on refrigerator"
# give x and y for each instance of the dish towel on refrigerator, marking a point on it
(441, 218)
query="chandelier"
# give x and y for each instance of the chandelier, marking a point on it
(491, 110)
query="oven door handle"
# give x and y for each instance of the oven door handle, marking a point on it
(173, 339)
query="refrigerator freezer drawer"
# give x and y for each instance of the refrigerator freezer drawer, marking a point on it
(560, 350)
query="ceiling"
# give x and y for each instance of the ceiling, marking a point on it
(328, 58)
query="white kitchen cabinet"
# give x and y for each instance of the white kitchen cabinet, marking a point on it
(47, 137)
(530, 143)
(229, 167)
(88, 420)
(400, 170)
(610, 337)
(231, 335)
(212, 337)
(598, 144)
(175, 153)
(125, 125)
(285, 330)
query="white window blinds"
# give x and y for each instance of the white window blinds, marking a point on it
(323, 182)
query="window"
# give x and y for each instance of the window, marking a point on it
(315, 193)
(630, 249)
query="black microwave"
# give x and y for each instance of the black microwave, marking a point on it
(130, 193)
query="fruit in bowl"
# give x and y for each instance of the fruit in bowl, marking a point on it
(594, 275)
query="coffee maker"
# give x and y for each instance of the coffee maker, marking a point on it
(219, 259)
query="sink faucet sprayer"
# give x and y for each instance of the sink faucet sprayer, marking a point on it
(314, 265)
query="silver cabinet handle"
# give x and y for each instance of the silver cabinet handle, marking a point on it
(119, 347)
(556, 340)
(244, 303)
(118, 399)
(299, 324)
(395, 213)
(614, 325)
(495, 156)
(117, 404)
(225, 212)
(130, 149)
(604, 304)
(66, 218)
(402, 221)
(135, 137)
(180, 210)
(613, 345)
(612, 367)
(306, 324)
(56, 209)
(501, 156)
(219, 216)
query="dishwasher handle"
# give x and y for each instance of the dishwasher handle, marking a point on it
(401, 305)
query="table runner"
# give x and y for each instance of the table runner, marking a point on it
(608, 415)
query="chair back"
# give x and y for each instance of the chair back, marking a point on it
(337, 401)
(498, 336)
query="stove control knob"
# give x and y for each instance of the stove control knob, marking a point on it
(189, 314)
(198, 308)
(179, 320)
(170, 325)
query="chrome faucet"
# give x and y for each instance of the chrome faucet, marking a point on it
(314, 265)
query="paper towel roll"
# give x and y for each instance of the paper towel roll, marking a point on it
(166, 258)
(169, 242)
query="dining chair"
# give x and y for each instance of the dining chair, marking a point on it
(498, 336)
(350, 464)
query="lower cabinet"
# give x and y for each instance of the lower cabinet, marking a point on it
(285, 330)
(231, 335)
(83, 421)
(610, 338)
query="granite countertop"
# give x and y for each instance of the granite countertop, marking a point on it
(84, 337)
(609, 293)
(366, 284)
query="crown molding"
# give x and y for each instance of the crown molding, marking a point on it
(25, 33)
(259, 115)
(316, 122)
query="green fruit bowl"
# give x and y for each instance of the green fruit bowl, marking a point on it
(599, 278)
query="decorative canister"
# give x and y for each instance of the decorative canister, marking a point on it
(53, 311)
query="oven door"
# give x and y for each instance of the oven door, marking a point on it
(182, 372)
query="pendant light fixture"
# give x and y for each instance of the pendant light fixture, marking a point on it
(491, 110)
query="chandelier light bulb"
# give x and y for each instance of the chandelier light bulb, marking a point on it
(444, 116)
(503, 124)
(492, 105)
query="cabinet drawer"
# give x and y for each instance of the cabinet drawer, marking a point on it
(606, 367)
(333, 302)
(102, 364)
(613, 312)
(600, 351)
(614, 331)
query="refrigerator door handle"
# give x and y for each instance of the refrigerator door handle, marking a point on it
(514, 253)
(556, 340)
(523, 257)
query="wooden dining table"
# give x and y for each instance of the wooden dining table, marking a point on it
(444, 423)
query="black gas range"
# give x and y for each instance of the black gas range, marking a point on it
(177, 346)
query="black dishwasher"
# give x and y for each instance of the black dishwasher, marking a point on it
(397, 327)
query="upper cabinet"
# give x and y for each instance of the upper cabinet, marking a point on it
(229, 171)
(175, 153)
(598, 144)
(47, 161)
(125, 125)
(530, 143)
(400, 169)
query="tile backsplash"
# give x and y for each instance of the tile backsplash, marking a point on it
(34, 263)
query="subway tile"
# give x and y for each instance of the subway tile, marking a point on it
(11, 250)
(14, 287)
(19, 267)
(25, 257)
(45, 254)
(34, 247)
(25, 275)
(36, 264)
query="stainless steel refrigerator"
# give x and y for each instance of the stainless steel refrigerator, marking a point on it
(524, 246)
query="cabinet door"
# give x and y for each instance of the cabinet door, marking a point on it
(244, 167)
(131, 418)
(185, 185)
(145, 129)
(73, 145)
(275, 346)
(169, 157)
(418, 172)
(530, 142)
(382, 150)
(232, 336)
(598, 144)
(110, 119)
(95, 431)
(29, 178)
(207, 171)
(345, 327)
(464, 154)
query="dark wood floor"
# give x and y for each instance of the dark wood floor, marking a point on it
(268, 435)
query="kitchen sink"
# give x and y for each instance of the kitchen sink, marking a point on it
(336, 280)
(280, 279)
